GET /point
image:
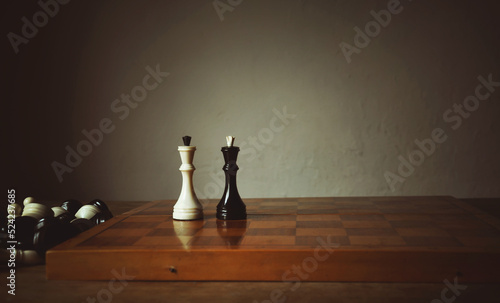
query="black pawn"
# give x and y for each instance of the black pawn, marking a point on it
(231, 207)
(104, 214)
(65, 217)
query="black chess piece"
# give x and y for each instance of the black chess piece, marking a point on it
(65, 217)
(83, 224)
(99, 218)
(231, 207)
(50, 232)
(72, 206)
(104, 214)
(25, 229)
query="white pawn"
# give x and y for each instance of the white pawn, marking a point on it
(28, 200)
(37, 211)
(58, 210)
(187, 207)
(87, 211)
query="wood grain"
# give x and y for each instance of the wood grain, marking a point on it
(393, 239)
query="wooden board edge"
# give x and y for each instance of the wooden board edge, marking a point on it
(308, 265)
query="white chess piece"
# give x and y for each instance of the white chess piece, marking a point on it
(187, 207)
(58, 211)
(87, 212)
(37, 211)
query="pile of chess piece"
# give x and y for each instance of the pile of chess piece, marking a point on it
(38, 227)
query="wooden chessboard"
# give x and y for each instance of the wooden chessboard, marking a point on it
(383, 239)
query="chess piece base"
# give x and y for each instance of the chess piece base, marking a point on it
(187, 214)
(225, 214)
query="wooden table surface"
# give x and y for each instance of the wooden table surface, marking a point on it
(32, 285)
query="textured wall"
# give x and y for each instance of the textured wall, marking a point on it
(318, 108)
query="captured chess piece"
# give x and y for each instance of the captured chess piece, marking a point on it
(231, 207)
(39, 227)
(187, 206)
(105, 212)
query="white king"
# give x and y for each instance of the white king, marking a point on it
(187, 207)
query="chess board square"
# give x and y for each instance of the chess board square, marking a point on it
(370, 217)
(210, 224)
(321, 232)
(484, 242)
(111, 241)
(194, 224)
(443, 218)
(413, 224)
(162, 232)
(462, 224)
(272, 224)
(319, 224)
(432, 241)
(422, 232)
(280, 204)
(377, 240)
(317, 205)
(271, 232)
(318, 217)
(135, 225)
(366, 224)
(157, 210)
(314, 199)
(274, 210)
(227, 241)
(357, 210)
(267, 217)
(407, 217)
(276, 200)
(308, 211)
(212, 232)
(268, 240)
(393, 204)
(312, 241)
(160, 218)
(209, 241)
(138, 232)
(400, 210)
(371, 232)
(474, 232)
(358, 202)
(448, 211)
(158, 241)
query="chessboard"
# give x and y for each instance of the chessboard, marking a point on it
(365, 239)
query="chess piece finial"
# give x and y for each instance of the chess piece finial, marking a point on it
(229, 141)
(186, 140)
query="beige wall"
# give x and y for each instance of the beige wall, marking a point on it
(347, 123)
